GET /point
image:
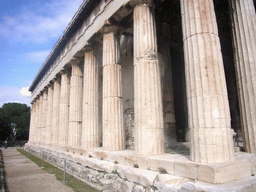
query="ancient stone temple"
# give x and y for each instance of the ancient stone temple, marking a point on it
(146, 87)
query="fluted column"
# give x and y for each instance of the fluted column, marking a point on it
(75, 109)
(36, 120)
(32, 121)
(40, 110)
(148, 107)
(113, 131)
(64, 107)
(244, 41)
(208, 108)
(90, 125)
(48, 131)
(44, 110)
(55, 111)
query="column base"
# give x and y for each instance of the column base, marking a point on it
(174, 164)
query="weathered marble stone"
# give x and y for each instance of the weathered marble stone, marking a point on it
(244, 41)
(112, 112)
(32, 122)
(148, 110)
(90, 124)
(49, 114)
(209, 116)
(64, 107)
(44, 111)
(55, 111)
(75, 109)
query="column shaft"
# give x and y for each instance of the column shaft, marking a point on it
(39, 133)
(75, 110)
(44, 110)
(113, 133)
(244, 41)
(32, 122)
(148, 107)
(36, 121)
(48, 131)
(208, 108)
(55, 111)
(64, 108)
(90, 126)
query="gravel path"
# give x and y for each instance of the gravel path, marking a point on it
(23, 175)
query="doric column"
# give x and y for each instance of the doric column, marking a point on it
(113, 133)
(48, 131)
(55, 111)
(32, 121)
(44, 110)
(90, 125)
(148, 109)
(40, 110)
(208, 108)
(36, 120)
(75, 109)
(64, 107)
(244, 41)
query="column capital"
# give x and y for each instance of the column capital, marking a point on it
(50, 84)
(88, 48)
(56, 78)
(64, 71)
(140, 2)
(109, 27)
(33, 102)
(41, 93)
(76, 61)
(45, 89)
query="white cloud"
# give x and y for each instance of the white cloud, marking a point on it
(24, 92)
(12, 94)
(39, 22)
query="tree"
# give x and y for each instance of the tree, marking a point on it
(14, 121)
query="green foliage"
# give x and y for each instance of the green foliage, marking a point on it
(14, 121)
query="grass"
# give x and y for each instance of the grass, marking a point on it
(71, 181)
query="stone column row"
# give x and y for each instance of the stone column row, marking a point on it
(148, 103)
(73, 104)
(244, 42)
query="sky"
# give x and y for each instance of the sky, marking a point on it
(28, 31)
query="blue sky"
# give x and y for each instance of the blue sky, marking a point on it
(28, 31)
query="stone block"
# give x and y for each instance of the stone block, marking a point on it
(117, 157)
(99, 154)
(156, 163)
(105, 166)
(166, 182)
(131, 160)
(142, 162)
(186, 169)
(140, 176)
(223, 172)
(251, 158)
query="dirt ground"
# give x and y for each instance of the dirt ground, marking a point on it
(23, 175)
